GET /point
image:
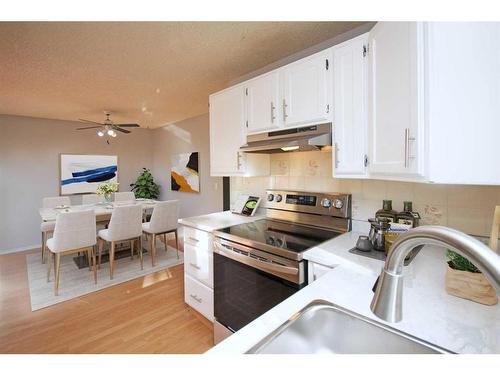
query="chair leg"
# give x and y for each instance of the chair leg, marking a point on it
(140, 253)
(57, 269)
(94, 265)
(153, 250)
(101, 245)
(177, 243)
(111, 260)
(49, 264)
(132, 249)
(44, 240)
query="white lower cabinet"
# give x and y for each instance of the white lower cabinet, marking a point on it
(198, 263)
(199, 296)
(316, 270)
(198, 271)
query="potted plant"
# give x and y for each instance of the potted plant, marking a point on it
(107, 189)
(464, 280)
(145, 187)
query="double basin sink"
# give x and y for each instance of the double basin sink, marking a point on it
(322, 327)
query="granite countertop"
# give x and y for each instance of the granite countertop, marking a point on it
(428, 311)
(219, 220)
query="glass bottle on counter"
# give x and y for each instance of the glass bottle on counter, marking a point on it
(407, 216)
(386, 212)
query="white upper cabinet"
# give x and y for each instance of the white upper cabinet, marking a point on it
(464, 102)
(306, 90)
(227, 131)
(262, 103)
(349, 108)
(396, 123)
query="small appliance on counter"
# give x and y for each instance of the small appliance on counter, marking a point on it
(246, 205)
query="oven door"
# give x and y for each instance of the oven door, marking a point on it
(248, 282)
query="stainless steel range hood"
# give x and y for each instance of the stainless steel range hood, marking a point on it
(308, 138)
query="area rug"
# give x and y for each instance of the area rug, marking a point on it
(74, 282)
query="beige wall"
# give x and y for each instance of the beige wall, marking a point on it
(187, 136)
(29, 162)
(466, 208)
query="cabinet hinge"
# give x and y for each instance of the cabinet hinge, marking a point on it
(366, 49)
(366, 161)
(327, 64)
(328, 108)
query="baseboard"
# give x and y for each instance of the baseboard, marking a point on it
(20, 249)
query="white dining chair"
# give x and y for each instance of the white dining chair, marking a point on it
(74, 232)
(163, 220)
(124, 196)
(47, 227)
(91, 198)
(125, 225)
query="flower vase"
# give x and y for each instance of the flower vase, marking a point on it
(108, 197)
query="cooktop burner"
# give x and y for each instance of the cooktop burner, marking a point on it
(286, 239)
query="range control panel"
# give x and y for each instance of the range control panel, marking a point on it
(334, 204)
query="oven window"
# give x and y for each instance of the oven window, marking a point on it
(243, 293)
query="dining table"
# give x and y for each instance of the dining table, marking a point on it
(102, 210)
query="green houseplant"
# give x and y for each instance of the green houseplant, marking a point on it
(145, 187)
(107, 190)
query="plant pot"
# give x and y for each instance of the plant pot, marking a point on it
(471, 286)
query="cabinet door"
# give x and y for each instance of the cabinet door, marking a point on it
(349, 107)
(262, 98)
(395, 104)
(464, 127)
(227, 131)
(307, 88)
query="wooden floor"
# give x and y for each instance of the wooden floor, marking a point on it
(145, 315)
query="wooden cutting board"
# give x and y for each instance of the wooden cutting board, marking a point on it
(494, 229)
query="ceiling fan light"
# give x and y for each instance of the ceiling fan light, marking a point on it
(110, 132)
(100, 133)
(114, 134)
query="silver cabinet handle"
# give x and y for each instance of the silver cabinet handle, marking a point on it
(408, 138)
(273, 117)
(238, 160)
(196, 298)
(284, 110)
(336, 155)
(194, 266)
(193, 239)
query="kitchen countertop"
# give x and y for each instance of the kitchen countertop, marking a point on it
(428, 311)
(219, 220)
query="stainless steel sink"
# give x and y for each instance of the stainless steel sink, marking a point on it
(322, 327)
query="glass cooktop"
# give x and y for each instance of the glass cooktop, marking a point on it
(266, 234)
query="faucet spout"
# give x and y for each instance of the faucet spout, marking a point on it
(388, 298)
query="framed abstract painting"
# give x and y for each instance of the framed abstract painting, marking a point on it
(184, 173)
(81, 174)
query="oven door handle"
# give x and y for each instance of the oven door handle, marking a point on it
(254, 262)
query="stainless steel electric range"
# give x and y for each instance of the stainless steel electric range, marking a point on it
(258, 265)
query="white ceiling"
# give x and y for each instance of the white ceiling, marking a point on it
(150, 73)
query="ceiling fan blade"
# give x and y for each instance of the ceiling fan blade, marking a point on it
(128, 125)
(89, 127)
(92, 122)
(121, 130)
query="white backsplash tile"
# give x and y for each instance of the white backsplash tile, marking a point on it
(466, 208)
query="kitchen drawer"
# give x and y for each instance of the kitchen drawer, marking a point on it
(198, 238)
(316, 271)
(199, 264)
(200, 297)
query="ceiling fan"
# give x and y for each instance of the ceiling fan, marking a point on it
(108, 127)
